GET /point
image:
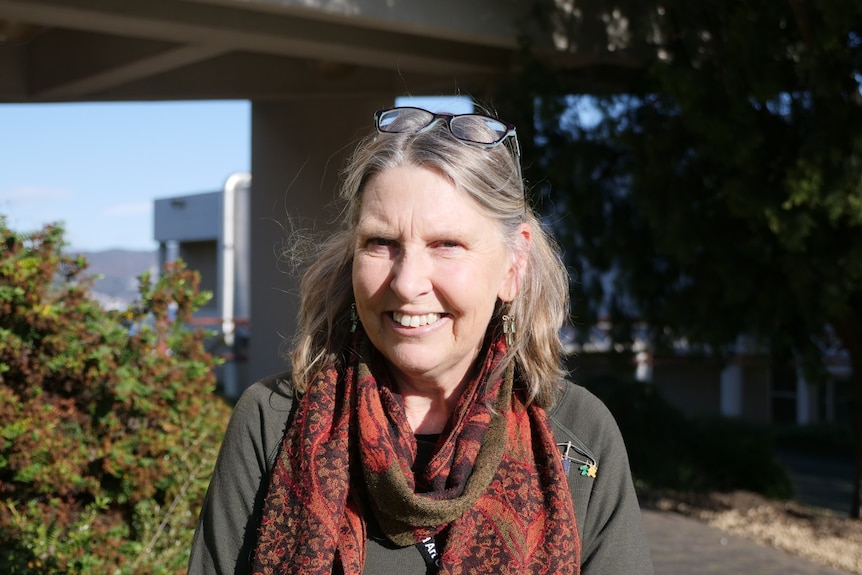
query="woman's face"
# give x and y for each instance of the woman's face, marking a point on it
(428, 268)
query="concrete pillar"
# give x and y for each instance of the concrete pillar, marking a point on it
(298, 149)
(731, 389)
(163, 256)
(644, 366)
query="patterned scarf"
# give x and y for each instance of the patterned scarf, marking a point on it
(495, 489)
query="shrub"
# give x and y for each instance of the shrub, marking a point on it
(733, 454)
(816, 438)
(669, 451)
(108, 423)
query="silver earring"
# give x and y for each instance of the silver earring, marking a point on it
(509, 329)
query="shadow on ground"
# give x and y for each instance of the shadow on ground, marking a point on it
(820, 480)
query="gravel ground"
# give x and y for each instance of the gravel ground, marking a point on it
(818, 534)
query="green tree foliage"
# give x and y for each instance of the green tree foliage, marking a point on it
(717, 191)
(108, 422)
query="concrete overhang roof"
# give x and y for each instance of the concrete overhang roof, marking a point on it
(99, 50)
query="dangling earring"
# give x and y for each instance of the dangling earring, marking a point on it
(354, 318)
(509, 329)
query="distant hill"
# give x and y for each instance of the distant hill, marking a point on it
(118, 271)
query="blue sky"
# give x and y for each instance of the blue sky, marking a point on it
(97, 167)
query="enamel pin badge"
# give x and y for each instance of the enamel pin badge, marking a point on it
(571, 454)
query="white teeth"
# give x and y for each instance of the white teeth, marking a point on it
(415, 320)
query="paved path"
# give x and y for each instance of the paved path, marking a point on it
(683, 546)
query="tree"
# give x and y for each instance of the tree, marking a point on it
(719, 189)
(108, 423)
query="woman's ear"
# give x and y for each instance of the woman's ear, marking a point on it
(517, 270)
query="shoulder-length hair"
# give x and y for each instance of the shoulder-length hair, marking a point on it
(490, 177)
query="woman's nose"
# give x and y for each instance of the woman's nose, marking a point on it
(411, 276)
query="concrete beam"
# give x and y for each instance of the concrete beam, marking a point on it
(486, 22)
(237, 28)
(129, 72)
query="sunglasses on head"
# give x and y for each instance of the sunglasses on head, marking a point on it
(473, 129)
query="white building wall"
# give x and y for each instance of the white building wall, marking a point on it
(185, 225)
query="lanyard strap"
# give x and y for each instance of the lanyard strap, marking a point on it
(428, 549)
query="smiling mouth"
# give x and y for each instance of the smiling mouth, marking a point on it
(415, 320)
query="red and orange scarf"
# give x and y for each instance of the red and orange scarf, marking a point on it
(495, 486)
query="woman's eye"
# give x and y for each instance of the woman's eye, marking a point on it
(380, 242)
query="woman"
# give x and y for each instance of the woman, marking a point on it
(426, 425)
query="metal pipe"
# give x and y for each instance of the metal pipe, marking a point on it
(228, 273)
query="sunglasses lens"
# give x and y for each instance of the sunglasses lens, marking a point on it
(401, 120)
(479, 129)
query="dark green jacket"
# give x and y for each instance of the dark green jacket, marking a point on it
(606, 507)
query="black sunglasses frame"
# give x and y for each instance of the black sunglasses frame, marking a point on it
(435, 118)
